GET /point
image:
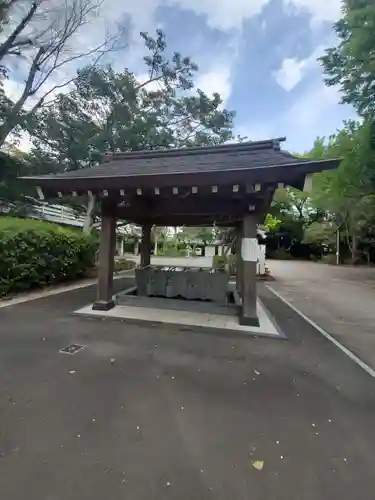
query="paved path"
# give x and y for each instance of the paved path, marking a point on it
(339, 299)
(177, 414)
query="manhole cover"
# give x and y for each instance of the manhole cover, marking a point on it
(71, 349)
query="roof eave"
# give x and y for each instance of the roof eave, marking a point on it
(307, 167)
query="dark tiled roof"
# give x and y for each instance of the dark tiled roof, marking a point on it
(229, 157)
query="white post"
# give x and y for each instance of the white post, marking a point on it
(156, 245)
(261, 264)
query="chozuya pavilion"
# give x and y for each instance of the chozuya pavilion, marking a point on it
(228, 185)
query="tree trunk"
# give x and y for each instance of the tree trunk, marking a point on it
(89, 218)
(13, 118)
(353, 249)
(10, 123)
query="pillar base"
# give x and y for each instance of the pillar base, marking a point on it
(249, 320)
(103, 305)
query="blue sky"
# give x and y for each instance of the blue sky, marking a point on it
(260, 55)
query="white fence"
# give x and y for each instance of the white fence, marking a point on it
(61, 214)
(58, 213)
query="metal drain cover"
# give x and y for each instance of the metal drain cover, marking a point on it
(71, 349)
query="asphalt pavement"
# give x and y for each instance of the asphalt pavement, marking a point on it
(151, 413)
(340, 299)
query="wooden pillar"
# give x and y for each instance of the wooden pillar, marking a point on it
(146, 244)
(239, 261)
(249, 262)
(104, 300)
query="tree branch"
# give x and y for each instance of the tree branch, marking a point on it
(9, 42)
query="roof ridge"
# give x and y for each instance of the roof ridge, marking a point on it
(197, 150)
(287, 154)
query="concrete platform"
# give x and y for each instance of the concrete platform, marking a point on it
(129, 297)
(188, 318)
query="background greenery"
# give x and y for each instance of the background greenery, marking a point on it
(106, 109)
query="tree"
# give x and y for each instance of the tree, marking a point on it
(13, 43)
(271, 223)
(351, 64)
(116, 111)
(45, 38)
(347, 194)
(205, 235)
(321, 233)
(14, 194)
(291, 200)
(112, 111)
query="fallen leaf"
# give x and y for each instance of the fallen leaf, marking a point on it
(256, 372)
(258, 464)
(112, 360)
(72, 372)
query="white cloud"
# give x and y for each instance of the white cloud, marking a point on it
(226, 15)
(320, 10)
(218, 79)
(316, 112)
(292, 70)
(289, 74)
(258, 132)
(12, 89)
(309, 110)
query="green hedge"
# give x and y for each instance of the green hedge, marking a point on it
(225, 262)
(35, 253)
(123, 264)
(219, 262)
(171, 252)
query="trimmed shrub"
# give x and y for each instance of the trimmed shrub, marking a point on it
(122, 264)
(329, 259)
(231, 262)
(36, 253)
(171, 252)
(219, 262)
(279, 254)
